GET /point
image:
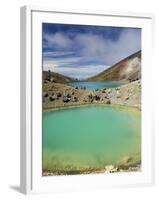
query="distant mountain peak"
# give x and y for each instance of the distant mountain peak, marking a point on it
(128, 69)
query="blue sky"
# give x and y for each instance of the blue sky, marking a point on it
(82, 51)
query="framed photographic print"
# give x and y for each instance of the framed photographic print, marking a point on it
(86, 100)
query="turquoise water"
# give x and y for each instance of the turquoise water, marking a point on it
(95, 85)
(89, 137)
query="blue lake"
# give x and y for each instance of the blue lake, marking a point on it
(94, 85)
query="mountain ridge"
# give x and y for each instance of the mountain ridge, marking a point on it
(128, 69)
(56, 77)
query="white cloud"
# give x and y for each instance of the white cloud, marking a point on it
(77, 72)
(90, 47)
(57, 53)
(108, 50)
(58, 39)
(80, 72)
(128, 43)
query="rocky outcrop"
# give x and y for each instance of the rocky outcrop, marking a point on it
(57, 95)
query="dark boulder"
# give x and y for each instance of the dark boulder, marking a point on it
(126, 98)
(59, 94)
(90, 98)
(97, 97)
(76, 99)
(45, 94)
(45, 81)
(108, 101)
(52, 98)
(68, 95)
(66, 99)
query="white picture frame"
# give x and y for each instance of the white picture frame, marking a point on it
(31, 100)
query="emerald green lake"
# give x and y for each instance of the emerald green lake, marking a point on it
(93, 136)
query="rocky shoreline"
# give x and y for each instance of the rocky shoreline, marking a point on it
(57, 95)
(129, 167)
